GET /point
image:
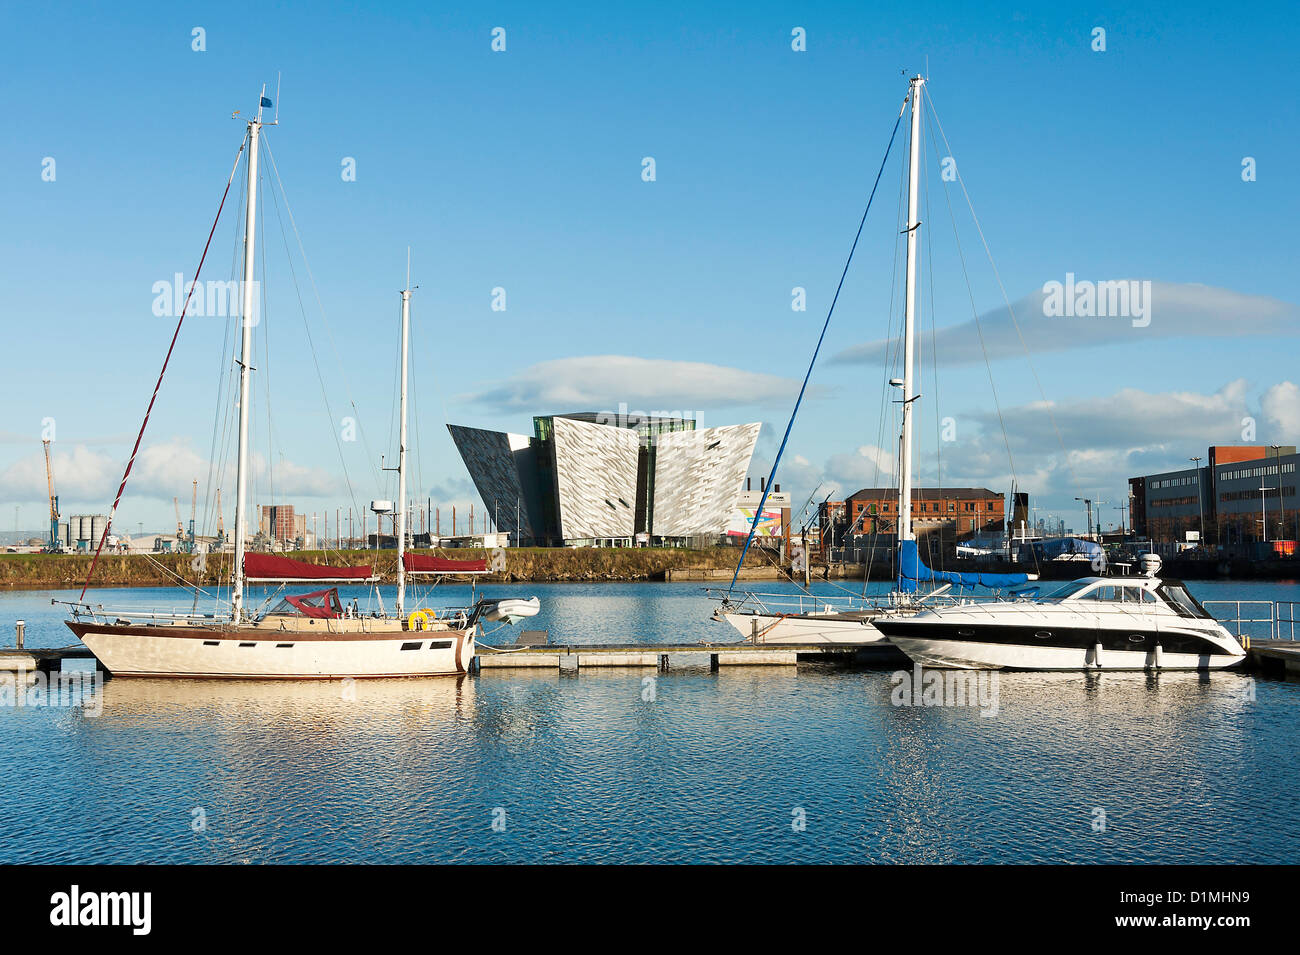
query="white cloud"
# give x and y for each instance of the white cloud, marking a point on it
(1103, 442)
(1281, 407)
(1177, 311)
(1129, 419)
(161, 471)
(603, 382)
(867, 466)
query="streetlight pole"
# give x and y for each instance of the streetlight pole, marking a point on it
(1263, 509)
(1281, 509)
(1088, 504)
(1200, 523)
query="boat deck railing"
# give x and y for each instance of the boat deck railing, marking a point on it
(97, 613)
(776, 604)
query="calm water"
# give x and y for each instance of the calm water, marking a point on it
(1188, 768)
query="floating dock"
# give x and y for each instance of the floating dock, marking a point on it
(668, 656)
(33, 659)
(1270, 657)
(1274, 657)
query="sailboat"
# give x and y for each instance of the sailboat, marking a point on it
(308, 635)
(815, 619)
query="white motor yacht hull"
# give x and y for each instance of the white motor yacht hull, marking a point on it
(1100, 624)
(973, 655)
(244, 653)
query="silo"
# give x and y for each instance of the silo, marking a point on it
(63, 533)
(83, 527)
(97, 525)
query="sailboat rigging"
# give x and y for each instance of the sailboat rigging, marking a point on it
(773, 618)
(1097, 623)
(303, 636)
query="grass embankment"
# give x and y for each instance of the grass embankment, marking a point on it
(53, 571)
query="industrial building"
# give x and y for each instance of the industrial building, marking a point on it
(278, 522)
(1242, 495)
(81, 532)
(610, 479)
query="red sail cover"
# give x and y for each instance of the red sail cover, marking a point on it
(428, 564)
(321, 604)
(274, 567)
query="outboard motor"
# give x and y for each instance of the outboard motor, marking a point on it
(1150, 564)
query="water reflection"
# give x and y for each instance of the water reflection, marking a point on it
(690, 766)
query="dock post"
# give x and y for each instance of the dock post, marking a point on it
(21, 633)
(663, 663)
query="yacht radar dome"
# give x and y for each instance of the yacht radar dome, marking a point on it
(1150, 564)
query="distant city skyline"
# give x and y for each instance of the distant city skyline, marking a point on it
(624, 209)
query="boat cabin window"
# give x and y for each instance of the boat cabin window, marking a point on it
(1184, 604)
(1120, 593)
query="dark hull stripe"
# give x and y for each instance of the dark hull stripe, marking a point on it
(1073, 638)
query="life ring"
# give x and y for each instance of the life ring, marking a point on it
(421, 615)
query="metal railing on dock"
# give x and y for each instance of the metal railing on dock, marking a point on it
(1257, 619)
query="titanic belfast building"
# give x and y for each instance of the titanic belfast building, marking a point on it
(596, 478)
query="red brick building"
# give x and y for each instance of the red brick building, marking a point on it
(955, 513)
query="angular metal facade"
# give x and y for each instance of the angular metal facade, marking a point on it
(595, 479)
(699, 476)
(503, 470)
(577, 480)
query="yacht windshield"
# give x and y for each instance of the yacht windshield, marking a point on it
(1068, 590)
(1184, 604)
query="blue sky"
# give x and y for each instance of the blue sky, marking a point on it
(522, 170)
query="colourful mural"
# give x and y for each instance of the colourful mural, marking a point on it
(768, 526)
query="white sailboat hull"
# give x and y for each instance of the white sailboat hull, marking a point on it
(196, 652)
(803, 628)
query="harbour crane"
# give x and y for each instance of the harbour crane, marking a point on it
(180, 528)
(55, 543)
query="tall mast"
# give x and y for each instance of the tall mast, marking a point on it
(401, 452)
(909, 321)
(245, 363)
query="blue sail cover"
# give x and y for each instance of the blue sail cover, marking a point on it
(912, 570)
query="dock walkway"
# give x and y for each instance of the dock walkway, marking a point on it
(1279, 657)
(1274, 656)
(667, 656)
(46, 660)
